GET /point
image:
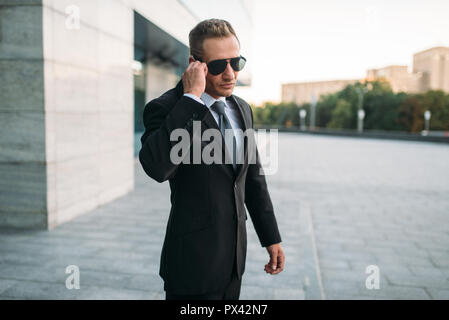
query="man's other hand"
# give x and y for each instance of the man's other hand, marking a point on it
(277, 259)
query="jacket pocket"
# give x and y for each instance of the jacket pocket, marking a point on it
(191, 220)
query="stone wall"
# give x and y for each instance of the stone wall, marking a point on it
(66, 108)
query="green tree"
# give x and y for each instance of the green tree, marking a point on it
(324, 108)
(409, 114)
(381, 110)
(384, 109)
(341, 115)
(437, 103)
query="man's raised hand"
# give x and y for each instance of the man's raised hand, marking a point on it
(194, 78)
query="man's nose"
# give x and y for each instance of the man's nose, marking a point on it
(229, 72)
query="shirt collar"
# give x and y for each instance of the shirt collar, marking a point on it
(209, 100)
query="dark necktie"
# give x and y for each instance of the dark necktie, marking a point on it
(223, 124)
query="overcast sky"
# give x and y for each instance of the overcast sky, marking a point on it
(298, 40)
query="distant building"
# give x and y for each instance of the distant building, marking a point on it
(398, 77)
(304, 91)
(430, 72)
(434, 65)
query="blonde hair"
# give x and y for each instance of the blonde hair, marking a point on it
(211, 28)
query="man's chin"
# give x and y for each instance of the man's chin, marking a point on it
(226, 92)
(221, 92)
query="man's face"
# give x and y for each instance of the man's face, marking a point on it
(221, 48)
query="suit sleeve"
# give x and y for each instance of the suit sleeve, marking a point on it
(159, 123)
(259, 205)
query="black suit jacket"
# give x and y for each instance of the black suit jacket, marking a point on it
(206, 228)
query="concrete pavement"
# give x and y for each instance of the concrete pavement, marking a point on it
(342, 205)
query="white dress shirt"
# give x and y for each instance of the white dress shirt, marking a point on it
(233, 115)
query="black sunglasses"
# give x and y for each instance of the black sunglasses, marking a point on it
(216, 67)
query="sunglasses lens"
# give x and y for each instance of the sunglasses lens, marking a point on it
(217, 66)
(238, 63)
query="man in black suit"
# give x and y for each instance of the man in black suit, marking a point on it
(204, 252)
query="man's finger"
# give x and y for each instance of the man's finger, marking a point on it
(269, 269)
(274, 260)
(281, 259)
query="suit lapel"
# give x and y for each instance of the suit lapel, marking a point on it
(245, 123)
